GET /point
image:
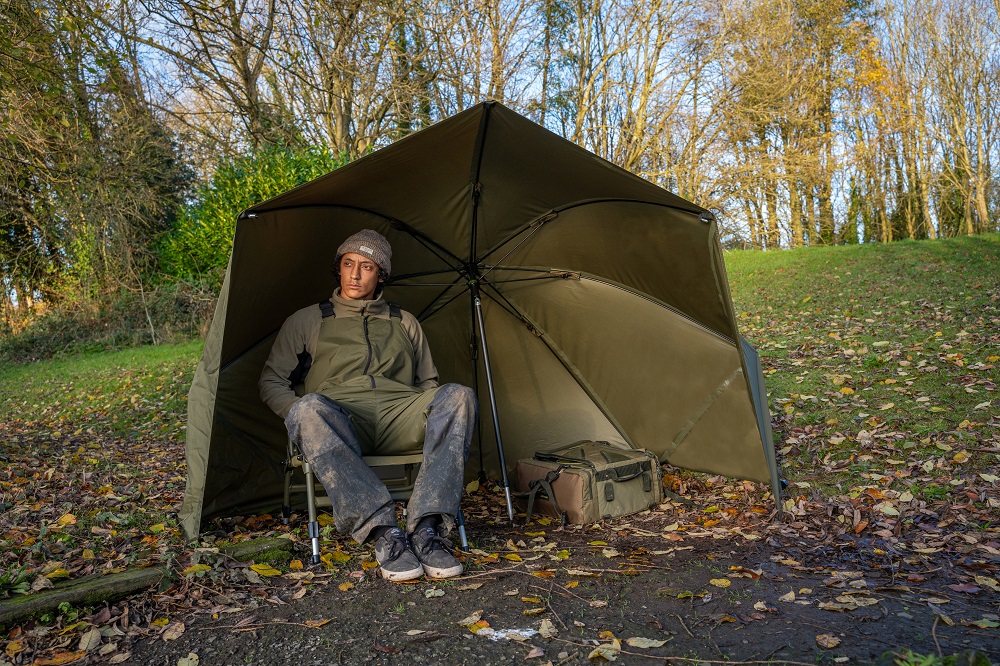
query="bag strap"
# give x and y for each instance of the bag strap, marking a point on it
(326, 308)
(541, 485)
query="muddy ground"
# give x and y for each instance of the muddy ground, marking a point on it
(781, 592)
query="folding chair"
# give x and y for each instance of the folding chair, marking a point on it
(400, 488)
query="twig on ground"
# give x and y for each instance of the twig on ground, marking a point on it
(937, 618)
(681, 620)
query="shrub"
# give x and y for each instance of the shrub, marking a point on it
(170, 313)
(200, 243)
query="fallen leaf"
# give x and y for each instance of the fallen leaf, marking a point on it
(469, 586)
(197, 568)
(720, 582)
(173, 631)
(985, 623)
(986, 581)
(90, 640)
(827, 642)
(640, 642)
(335, 557)
(534, 611)
(315, 624)
(968, 588)
(433, 592)
(190, 660)
(470, 620)
(513, 557)
(16, 647)
(66, 519)
(60, 658)
(344, 587)
(606, 651)
(582, 573)
(479, 627)
(265, 570)
(787, 598)
(599, 603)
(535, 653)
(547, 630)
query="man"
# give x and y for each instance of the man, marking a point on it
(368, 385)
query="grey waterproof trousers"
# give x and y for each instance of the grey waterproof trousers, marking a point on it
(326, 433)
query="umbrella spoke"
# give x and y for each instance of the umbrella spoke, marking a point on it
(395, 280)
(533, 226)
(496, 296)
(436, 249)
(436, 306)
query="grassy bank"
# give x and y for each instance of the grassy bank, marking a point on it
(881, 362)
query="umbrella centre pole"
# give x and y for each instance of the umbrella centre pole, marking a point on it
(478, 304)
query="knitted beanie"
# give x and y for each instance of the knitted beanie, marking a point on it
(368, 243)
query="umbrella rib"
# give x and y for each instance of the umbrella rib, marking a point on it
(394, 280)
(562, 358)
(395, 223)
(541, 220)
(427, 312)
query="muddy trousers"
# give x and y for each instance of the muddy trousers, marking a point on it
(325, 432)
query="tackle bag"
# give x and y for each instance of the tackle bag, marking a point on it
(589, 481)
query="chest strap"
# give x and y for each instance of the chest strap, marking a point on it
(326, 308)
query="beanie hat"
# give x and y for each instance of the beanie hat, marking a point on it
(368, 243)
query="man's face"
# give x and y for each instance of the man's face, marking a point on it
(358, 277)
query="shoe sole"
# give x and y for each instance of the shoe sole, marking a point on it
(400, 576)
(436, 572)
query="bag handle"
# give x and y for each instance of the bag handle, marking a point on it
(545, 485)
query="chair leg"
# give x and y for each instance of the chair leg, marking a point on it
(460, 519)
(311, 502)
(286, 506)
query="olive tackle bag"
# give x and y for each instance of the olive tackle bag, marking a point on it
(589, 481)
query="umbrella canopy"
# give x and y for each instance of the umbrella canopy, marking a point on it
(604, 299)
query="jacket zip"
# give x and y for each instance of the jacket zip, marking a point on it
(368, 342)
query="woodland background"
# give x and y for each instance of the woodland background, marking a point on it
(133, 131)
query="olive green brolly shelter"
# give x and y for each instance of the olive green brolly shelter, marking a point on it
(581, 301)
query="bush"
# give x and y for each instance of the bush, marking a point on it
(170, 313)
(201, 241)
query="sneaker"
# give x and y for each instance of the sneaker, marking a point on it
(435, 553)
(395, 557)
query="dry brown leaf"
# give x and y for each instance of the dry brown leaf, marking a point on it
(173, 631)
(90, 640)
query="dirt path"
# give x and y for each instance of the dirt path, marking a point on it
(725, 596)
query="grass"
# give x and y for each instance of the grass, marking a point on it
(877, 356)
(137, 392)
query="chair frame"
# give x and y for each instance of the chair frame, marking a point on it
(400, 489)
